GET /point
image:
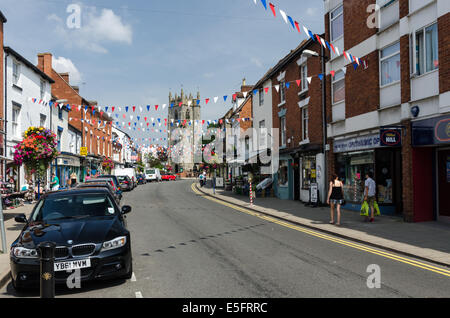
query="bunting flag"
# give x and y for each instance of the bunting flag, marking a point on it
(272, 7)
(264, 4)
(284, 16)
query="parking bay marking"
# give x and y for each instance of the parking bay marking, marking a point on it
(405, 260)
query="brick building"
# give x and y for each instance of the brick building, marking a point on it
(297, 114)
(391, 115)
(84, 116)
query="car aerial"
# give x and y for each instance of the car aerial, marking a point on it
(90, 233)
(125, 183)
(102, 184)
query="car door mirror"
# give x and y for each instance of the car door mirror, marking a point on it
(126, 209)
(21, 218)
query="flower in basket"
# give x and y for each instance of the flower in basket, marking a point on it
(37, 149)
(108, 164)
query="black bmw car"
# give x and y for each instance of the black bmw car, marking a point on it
(90, 233)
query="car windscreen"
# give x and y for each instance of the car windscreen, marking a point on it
(122, 178)
(74, 206)
(150, 171)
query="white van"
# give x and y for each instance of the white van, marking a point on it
(130, 172)
(153, 174)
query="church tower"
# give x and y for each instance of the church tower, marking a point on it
(184, 131)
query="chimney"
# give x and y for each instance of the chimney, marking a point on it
(45, 63)
(65, 76)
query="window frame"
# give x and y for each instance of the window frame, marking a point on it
(382, 59)
(333, 81)
(305, 127)
(261, 96)
(42, 89)
(413, 39)
(332, 19)
(283, 130)
(303, 81)
(263, 137)
(15, 120)
(15, 72)
(42, 116)
(282, 91)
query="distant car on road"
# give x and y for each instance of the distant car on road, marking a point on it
(153, 174)
(90, 232)
(125, 183)
(168, 177)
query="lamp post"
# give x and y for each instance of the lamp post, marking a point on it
(309, 53)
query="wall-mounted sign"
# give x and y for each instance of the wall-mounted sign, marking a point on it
(433, 131)
(391, 137)
(83, 151)
(357, 143)
(313, 192)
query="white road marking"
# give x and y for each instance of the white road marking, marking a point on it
(133, 277)
(139, 295)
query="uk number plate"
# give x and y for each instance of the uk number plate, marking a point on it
(71, 265)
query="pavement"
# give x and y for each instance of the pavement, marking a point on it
(12, 232)
(426, 240)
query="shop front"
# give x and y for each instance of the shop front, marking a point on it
(66, 164)
(431, 168)
(283, 179)
(356, 157)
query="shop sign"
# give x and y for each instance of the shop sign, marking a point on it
(391, 137)
(357, 143)
(313, 192)
(83, 151)
(433, 131)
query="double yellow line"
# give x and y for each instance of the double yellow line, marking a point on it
(435, 269)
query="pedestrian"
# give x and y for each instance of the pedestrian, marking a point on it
(73, 179)
(201, 180)
(369, 193)
(335, 198)
(54, 183)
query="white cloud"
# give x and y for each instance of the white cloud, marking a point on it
(96, 30)
(256, 61)
(311, 12)
(63, 65)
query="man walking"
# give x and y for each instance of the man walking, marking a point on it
(369, 193)
(54, 184)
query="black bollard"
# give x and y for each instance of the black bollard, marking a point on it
(47, 272)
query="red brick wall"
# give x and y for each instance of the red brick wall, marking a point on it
(362, 88)
(407, 178)
(355, 22)
(405, 69)
(444, 53)
(246, 112)
(404, 8)
(293, 112)
(61, 89)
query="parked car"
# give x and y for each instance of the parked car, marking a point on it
(125, 183)
(102, 184)
(153, 174)
(90, 233)
(116, 184)
(127, 172)
(109, 181)
(141, 179)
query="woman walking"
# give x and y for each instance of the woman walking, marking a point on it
(335, 198)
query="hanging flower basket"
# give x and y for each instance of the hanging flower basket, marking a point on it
(107, 164)
(37, 150)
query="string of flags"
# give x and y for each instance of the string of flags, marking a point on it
(356, 61)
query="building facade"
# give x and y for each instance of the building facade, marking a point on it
(24, 81)
(389, 115)
(2, 104)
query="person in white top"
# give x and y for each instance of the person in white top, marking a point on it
(369, 193)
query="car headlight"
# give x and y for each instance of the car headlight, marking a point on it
(115, 243)
(22, 252)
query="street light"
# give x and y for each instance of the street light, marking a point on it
(309, 53)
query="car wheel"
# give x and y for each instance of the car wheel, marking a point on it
(16, 286)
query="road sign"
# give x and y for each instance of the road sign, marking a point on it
(83, 151)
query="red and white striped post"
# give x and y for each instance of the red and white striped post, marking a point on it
(251, 194)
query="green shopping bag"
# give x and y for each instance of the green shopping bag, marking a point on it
(365, 209)
(376, 208)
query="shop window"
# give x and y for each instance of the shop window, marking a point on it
(283, 173)
(384, 176)
(308, 171)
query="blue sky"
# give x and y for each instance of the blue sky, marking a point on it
(134, 52)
